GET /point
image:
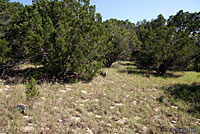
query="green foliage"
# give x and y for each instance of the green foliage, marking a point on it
(31, 89)
(163, 47)
(63, 36)
(190, 23)
(4, 49)
(8, 12)
(119, 38)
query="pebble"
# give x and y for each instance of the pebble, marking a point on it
(119, 104)
(98, 116)
(84, 92)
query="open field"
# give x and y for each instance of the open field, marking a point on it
(126, 101)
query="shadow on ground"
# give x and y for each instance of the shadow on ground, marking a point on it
(190, 93)
(147, 73)
(127, 64)
(17, 75)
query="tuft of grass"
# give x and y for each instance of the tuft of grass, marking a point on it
(126, 101)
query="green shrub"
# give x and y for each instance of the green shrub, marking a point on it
(31, 89)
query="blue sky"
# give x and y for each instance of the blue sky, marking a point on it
(137, 10)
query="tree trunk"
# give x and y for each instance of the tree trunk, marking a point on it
(162, 69)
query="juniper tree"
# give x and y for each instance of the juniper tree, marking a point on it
(163, 47)
(119, 38)
(64, 36)
(190, 23)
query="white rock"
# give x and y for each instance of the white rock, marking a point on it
(121, 121)
(55, 108)
(174, 122)
(76, 118)
(89, 131)
(60, 121)
(98, 116)
(96, 100)
(63, 91)
(135, 102)
(175, 107)
(83, 92)
(119, 104)
(43, 98)
(68, 86)
(86, 100)
(82, 105)
(112, 107)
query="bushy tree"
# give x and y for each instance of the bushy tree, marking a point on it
(63, 36)
(119, 38)
(5, 17)
(190, 23)
(9, 11)
(163, 47)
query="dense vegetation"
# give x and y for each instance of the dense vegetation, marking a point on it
(68, 38)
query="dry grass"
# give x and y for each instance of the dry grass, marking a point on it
(126, 101)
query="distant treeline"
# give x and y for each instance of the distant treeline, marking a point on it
(68, 37)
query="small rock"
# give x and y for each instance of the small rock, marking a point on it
(156, 110)
(7, 86)
(112, 107)
(68, 86)
(21, 108)
(174, 122)
(175, 107)
(55, 108)
(86, 100)
(84, 92)
(89, 131)
(28, 128)
(98, 116)
(119, 104)
(76, 118)
(135, 102)
(43, 98)
(60, 121)
(63, 91)
(121, 121)
(96, 100)
(82, 105)
(127, 95)
(108, 125)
